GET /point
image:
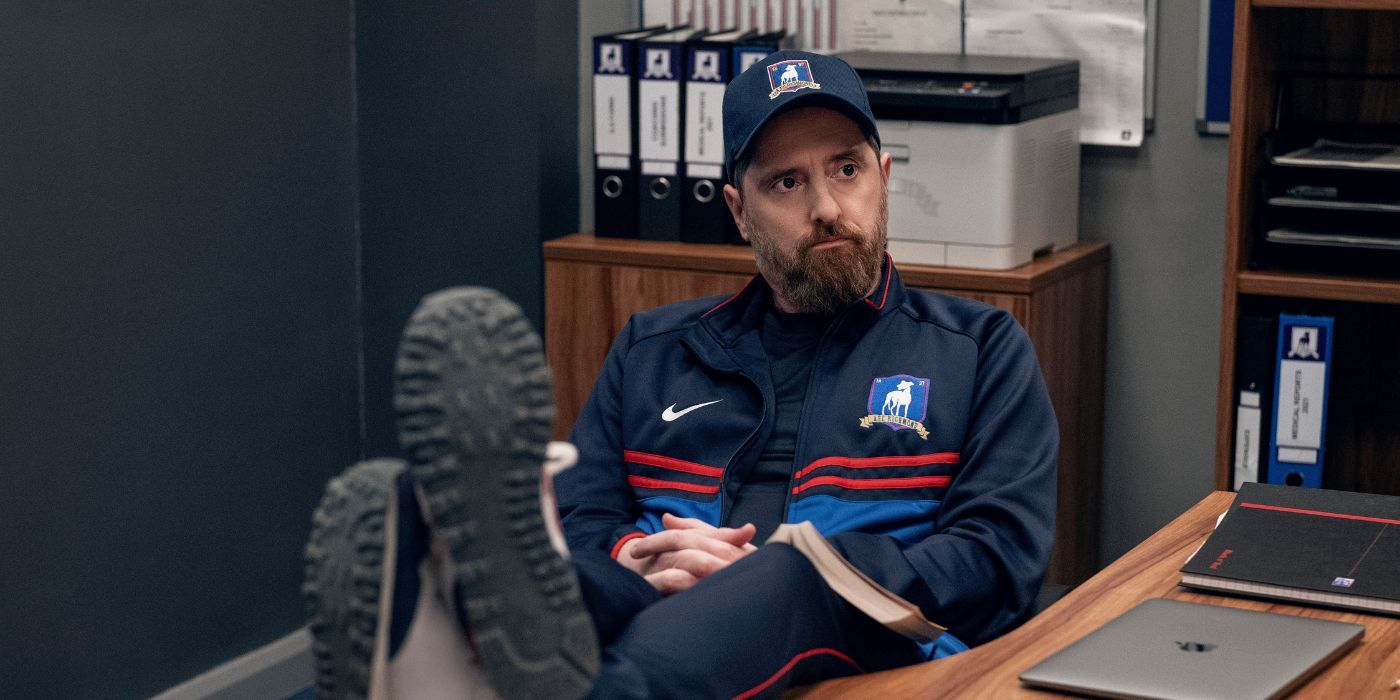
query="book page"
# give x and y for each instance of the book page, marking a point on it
(854, 586)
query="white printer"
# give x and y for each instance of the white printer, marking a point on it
(986, 154)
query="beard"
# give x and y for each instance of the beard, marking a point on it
(823, 281)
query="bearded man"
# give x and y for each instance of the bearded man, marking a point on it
(912, 429)
(716, 420)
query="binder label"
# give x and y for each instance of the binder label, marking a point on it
(660, 168)
(658, 119)
(704, 142)
(1302, 376)
(612, 115)
(704, 170)
(1248, 421)
(1294, 455)
(606, 162)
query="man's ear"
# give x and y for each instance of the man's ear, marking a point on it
(885, 160)
(736, 208)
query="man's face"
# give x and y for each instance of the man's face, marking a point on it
(814, 206)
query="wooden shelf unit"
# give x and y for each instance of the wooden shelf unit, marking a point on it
(1318, 286)
(1328, 40)
(593, 285)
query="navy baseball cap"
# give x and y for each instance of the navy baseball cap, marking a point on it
(784, 80)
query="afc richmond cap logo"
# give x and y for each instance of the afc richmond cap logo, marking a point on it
(790, 76)
(900, 402)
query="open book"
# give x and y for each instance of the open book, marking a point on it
(855, 587)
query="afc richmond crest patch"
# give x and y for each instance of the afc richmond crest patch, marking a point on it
(790, 76)
(900, 402)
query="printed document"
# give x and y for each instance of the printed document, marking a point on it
(1107, 36)
(931, 26)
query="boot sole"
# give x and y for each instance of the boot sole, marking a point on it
(347, 556)
(474, 404)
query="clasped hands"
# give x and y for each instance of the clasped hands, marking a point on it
(688, 550)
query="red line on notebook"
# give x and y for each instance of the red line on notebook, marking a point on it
(1300, 511)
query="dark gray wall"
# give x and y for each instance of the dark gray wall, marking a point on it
(182, 264)
(178, 340)
(1162, 208)
(468, 152)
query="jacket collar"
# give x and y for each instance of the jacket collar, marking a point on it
(724, 324)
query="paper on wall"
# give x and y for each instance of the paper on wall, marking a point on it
(1107, 36)
(900, 25)
(665, 12)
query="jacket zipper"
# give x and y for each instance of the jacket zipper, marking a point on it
(800, 445)
(726, 503)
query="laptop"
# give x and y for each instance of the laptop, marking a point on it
(1174, 649)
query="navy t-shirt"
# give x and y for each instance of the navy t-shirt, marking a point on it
(790, 341)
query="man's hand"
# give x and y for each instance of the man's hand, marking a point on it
(685, 552)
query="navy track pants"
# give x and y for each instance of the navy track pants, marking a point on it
(765, 623)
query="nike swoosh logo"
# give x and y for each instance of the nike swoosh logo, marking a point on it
(671, 413)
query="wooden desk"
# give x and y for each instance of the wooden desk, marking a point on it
(1148, 571)
(593, 285)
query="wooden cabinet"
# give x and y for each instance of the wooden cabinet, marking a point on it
(593, 285)
(1348, 51)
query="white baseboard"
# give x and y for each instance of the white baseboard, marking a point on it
(277, 670)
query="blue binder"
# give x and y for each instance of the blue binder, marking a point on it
(614, 133)
(704, 215)
(1300, 400)
(661, 62)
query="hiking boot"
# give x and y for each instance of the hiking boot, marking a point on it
(379, 627)
(474, 403)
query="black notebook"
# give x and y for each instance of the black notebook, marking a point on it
(1310, 546)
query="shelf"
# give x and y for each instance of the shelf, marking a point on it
(1331, 4)
(1316, 286)
(1323, 49)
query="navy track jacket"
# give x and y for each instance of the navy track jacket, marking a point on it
(926, 450)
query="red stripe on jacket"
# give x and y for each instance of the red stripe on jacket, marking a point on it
(872, 462)
(907, 482)
(671, 463)
(647, 483)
